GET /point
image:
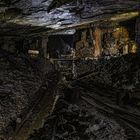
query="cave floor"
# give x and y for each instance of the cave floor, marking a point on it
(90, 107)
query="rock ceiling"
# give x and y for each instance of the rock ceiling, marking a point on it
(28, 17)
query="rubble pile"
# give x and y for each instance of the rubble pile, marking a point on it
(77, 122)
(120, 72)
(19, 82)
(83, 121)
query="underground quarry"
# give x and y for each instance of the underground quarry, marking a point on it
(69, 70)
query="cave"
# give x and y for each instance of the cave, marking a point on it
(69, 70)
(59, 46)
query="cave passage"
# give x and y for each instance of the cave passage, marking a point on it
(69, 70)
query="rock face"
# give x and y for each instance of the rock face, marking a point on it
(138, 32)
(27, 13)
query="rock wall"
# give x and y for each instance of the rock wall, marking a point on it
(138, 33)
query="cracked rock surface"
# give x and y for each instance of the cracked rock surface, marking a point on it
(18, 84)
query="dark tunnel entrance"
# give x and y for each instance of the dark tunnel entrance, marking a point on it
(59, 46)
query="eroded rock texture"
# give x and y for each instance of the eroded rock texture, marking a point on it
(91, 94)
(19, 83)
(28, 13)
(26, 93)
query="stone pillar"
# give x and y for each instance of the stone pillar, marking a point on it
(125, 49)
(44, 46)
(44, 53)
(92, 36)
(98, 42)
